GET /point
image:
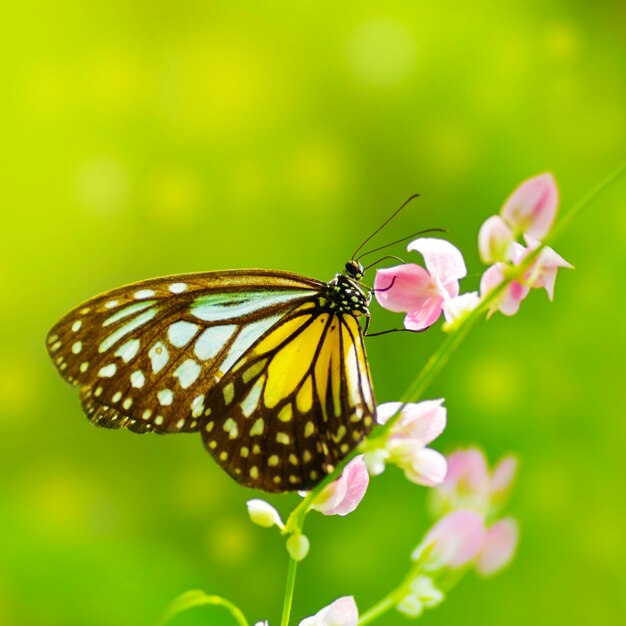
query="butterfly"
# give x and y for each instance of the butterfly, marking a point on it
(268, 366)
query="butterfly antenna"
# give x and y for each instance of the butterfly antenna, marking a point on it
(393, 243)
(415, 195)
(389, 256)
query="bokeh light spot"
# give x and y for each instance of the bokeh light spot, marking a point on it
(319, 169)
(175, 195)
(495, 383)
(382, 52)
(102, 185)
(18, 379)
(229, 541)
(562, 41)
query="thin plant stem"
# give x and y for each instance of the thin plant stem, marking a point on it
(381, 607)
(289, 587)
(197, 598)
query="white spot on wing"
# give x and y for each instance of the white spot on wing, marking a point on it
(177, 287)
(197, 406)
(216, 307)
(159, 356)
(181, 333)
(126, 311)
(165, 397)
(107, 371)
(248, 335)
(143, 293)
(251, 401)
(76, 325)
(137, 379)
(128, 350)
(140, 320)
(187, 373)
(212, 340)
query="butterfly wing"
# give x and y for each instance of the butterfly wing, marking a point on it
(294, 405)
(146, 356)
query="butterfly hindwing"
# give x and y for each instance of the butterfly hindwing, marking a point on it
(146, 356)
(294, 405)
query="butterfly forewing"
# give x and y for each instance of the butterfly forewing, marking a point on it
(147, 355)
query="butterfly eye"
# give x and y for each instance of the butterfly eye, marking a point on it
(354, 269)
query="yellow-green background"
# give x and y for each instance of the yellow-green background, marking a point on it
(143, 138)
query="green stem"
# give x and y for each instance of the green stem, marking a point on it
(381, 607)
(289, 587)
(196, 598)
(604, 184)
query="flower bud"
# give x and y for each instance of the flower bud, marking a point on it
(423, 594)
(298, 546)
(264, 514)
(532, 207)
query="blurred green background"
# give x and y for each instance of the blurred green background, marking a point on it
(148, 138)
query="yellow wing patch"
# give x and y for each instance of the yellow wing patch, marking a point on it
(302, 411)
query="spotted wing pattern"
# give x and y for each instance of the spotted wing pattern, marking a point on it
(146, 356)
(294, 405)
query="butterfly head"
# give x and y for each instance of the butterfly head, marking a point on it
(354, 269)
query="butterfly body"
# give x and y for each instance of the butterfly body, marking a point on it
(268, 366)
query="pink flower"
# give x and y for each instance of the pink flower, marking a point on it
(495, 240)
(532, 207)
(455, 540)
(343, 496)
(498, 547)
(417, 425)
(342, 612)
(419, 292)
(542, 273)
(511, 298)
(469, 483)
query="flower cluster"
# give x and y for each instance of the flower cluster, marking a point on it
(425, 293)
(468, 534)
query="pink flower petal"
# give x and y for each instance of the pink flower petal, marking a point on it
(467, 471)
(503, 475)
(453, 541)
(428, 468)
(543, 271)
(342, 612)
(421, 466)
(403, 288)
(510, 300)
(424, 316)
(343, 496)
(457, 307)
(499, 546)
(443, 260)
(532, 206)
(423, 421)
(494, 240)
